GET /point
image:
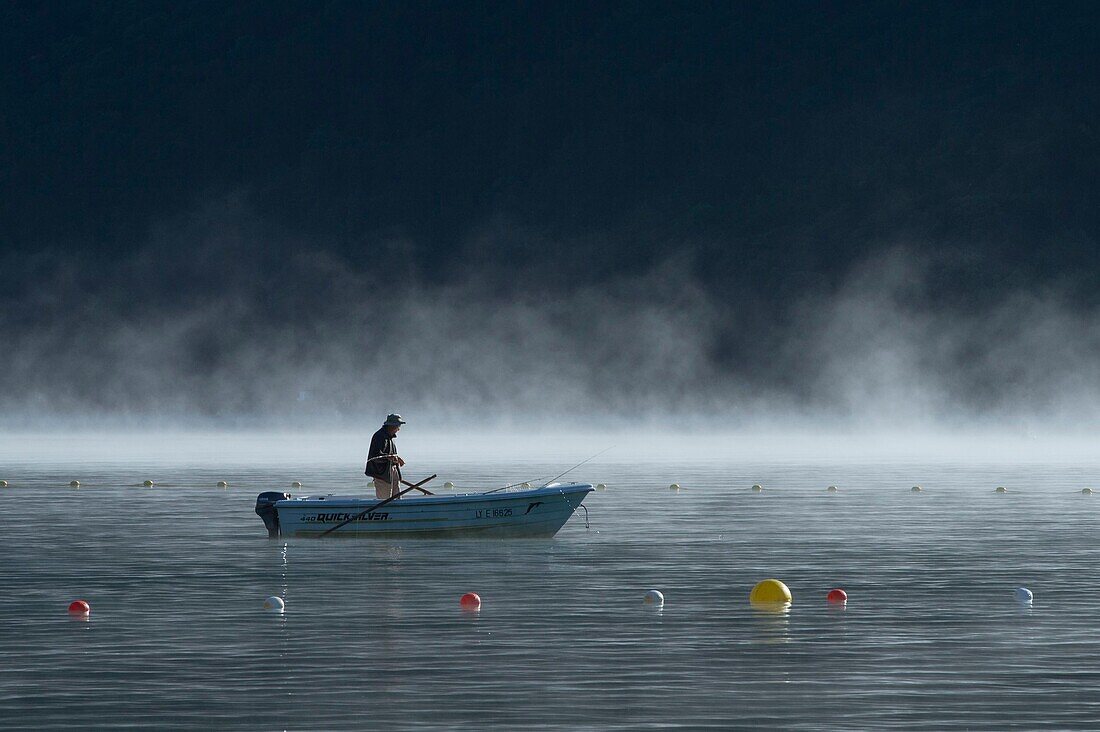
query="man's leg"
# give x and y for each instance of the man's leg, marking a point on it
(395, 482)
(387, 489)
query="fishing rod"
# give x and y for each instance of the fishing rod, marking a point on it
(582, 462)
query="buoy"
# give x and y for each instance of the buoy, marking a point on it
(599, 487)
(74, 483)
(148, 484)
(470, 601)
(1023, 594)
(769, 591)
(917, 489)
(222, 484)
(295, 484)
(3, 484)
(654, 597)
(79, 607)
(674, 487)
(1087, 491)
(449, 485)
(274, 604)
(525, 486)
(832, 489)
(837, 595)
(1001, 489)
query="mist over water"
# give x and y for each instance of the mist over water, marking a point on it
(212, 326)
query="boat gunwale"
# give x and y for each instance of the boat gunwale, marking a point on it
(306, 502)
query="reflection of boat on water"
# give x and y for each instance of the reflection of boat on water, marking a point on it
(539, 512)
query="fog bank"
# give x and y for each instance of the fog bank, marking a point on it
(214, 325)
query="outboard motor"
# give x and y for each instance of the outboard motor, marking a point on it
(265, 509)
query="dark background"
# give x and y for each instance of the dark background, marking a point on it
(737, 167)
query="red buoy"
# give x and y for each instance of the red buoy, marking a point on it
(470, 601)
(837, 595)
(79, 607)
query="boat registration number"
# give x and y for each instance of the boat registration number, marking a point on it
(492, 512)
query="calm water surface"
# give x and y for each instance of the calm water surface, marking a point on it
(373, 636)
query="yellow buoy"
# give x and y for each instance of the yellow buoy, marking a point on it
(148, 484)
(74, 484)
(1087, 491)
(296, 484)
(222, 484)
(769, 592)
(601, 487)
(674, 487)
(1001, 489)
(917, 489)
(448, 485)
(832, 489)
(757, 488)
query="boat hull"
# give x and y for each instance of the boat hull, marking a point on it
(540, 512)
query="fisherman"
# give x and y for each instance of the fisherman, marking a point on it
(383, 462)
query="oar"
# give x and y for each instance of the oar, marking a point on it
(376, 506)
(425, 491)
(403, 481)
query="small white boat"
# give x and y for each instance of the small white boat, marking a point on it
(539, 512)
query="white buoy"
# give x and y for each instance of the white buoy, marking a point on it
(525, 486)
(274, 604)
(296, 484)
(1000, 489)
(74, 484)
(148, 484)
(654, 598)
(916, 489)
(1087, 491)
(599, 487)
(756, 488)
(1023, 594)
(222, 484)
(832, 489)
(448, 486)
(674, 487)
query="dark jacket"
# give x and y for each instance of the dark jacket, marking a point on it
(380, 444)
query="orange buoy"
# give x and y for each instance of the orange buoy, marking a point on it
(470, 601)
(79, 607)
(837, 595)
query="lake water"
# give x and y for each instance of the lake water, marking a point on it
(373, 635)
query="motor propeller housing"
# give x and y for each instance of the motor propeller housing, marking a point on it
(265, 509)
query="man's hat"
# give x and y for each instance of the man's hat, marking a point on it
(393, 419)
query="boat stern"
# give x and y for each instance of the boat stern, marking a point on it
(265, 509)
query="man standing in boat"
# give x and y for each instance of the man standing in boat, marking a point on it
(383, 462)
